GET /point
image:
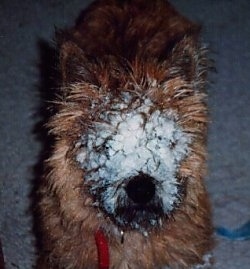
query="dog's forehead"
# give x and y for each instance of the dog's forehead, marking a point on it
(130, 117)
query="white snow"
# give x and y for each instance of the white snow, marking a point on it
(132, 142)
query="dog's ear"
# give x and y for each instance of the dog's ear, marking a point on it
(71, 61)
(189, 59)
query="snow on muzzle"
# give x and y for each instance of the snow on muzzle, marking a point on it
(131, 162)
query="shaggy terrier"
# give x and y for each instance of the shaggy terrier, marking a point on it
(123, 187)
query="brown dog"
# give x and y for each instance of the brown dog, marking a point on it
(123, 187)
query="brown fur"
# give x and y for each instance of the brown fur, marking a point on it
(116, 46)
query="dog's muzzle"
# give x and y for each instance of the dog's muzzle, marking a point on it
(139, 205)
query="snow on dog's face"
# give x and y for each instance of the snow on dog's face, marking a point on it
(131, 158)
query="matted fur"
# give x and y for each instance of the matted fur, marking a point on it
(147, 49)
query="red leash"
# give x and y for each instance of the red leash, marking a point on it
(103, 249)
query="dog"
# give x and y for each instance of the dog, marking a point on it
(123, 187)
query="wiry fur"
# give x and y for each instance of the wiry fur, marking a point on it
(147, 49)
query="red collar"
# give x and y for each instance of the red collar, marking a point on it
(102, 249)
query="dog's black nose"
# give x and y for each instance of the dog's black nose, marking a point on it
(141, 189)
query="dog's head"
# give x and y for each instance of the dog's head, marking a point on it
(137, 124)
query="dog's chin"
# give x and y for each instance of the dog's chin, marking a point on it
(131, 216)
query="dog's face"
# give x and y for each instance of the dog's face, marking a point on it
(137, 125)
(131, 157)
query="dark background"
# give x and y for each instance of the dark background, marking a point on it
(27, 30)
